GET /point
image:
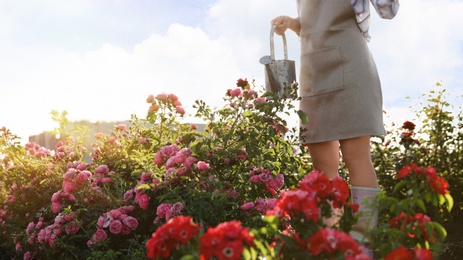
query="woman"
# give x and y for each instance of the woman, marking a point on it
(340, 91)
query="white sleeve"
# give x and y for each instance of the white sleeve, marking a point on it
(387, 9)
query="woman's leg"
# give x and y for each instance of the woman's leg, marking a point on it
(356, 154)
(325, 157)
(364, 186)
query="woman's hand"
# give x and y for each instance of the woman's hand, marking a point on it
(282, 23)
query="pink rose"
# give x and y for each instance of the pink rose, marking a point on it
(150, 99)
(261, 100)
(180, 110)
(82, 178)
(143, 201)
(69, 175)
(162, 209)
(71, 229)
(153, 108)
(177, 208)
(170, 162)
(106, 180)
(131, 222)
(115, 213)
(173, 97)
(162, 97)
(55, 207)
(145, 176)
(128, 195)
(142, 140)
(98, 135)
(99, 235)
(111, 139)
(188, 162)
(102, 169)
(127, 209)
(247, 206)
(273, 184)
(81, 166)
(100, 222)
(235, 92)
(121, 127)
(170, 150)
(55, 197)
(202, 166)
(69, 186)
(180, 158)
(71, 198)
(254, 178)
(115, 227)
(158, 160)
(125, 230)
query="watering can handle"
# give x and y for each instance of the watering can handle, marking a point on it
(272, 45)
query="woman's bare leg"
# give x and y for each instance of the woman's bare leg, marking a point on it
(356, 154)
(325, 157)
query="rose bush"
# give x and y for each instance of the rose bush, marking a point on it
(241, 188)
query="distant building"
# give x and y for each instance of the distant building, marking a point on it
(49, 140)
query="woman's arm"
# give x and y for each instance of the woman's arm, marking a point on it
(282, 23)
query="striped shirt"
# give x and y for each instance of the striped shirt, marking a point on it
(386, 9)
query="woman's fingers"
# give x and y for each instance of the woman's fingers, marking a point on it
(281, 24)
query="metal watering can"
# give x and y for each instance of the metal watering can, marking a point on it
(278, 73)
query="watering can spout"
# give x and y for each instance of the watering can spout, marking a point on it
(278, 73)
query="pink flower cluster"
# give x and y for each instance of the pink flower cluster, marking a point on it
(262, 205)
(163, 98)
(102, 175)
(59, 198)
(169, 210)
(177, 161)
(36, 150)
(265, 177)
(139, 195)
(40, 234)
(66, 149)
(75, 177)
(117, 221)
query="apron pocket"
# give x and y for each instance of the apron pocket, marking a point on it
(321, 72)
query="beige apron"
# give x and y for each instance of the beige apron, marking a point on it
(339, 83)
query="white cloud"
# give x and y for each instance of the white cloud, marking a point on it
(201, 60)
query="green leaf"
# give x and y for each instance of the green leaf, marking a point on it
(144, 187)
(246, 254)
(400, 185)
(427, 197)
(247, 113)
(303, 116)
(187, 257)
(420, 204)
(440, 230)
(449, 199)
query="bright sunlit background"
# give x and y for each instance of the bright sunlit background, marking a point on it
(99, 60)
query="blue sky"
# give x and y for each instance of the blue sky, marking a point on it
(99, 60)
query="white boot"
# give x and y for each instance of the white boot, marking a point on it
(368, 214)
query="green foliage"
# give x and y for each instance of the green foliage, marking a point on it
(247, 136)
